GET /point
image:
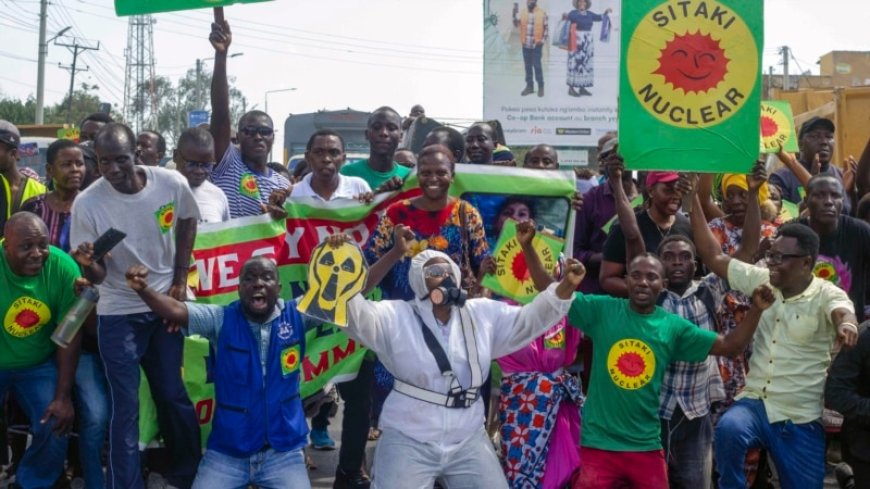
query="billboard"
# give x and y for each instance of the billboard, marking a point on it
(551, 69)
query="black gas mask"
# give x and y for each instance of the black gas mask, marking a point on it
(448, 294)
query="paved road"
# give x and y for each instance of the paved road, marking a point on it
(326, 461)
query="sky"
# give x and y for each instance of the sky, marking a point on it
(344, 53)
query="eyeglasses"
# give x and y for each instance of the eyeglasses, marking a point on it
(264, 131)
(437, 270)
(776, 258)
(205, 165)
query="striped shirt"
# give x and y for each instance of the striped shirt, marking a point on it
(689, 384)
(245, 188)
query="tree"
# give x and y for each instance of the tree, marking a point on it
(86, 101)
(175, 101)
(18, 111)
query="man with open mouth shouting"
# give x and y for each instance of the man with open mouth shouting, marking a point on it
(259, 427)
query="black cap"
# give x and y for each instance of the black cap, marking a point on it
(814, 122)
(9, 134)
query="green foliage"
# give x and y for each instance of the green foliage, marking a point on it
(85, 101)
(174, 101)
(18, 111)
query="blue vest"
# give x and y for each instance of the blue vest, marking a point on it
(253, 413)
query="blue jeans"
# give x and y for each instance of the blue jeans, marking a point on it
(688, 445)
(266, 469)
(33, 388)
(92, 411)
(125, 342)
(798, 450)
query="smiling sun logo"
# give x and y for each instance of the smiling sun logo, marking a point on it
(165, 216)
(692, 64)
(25, 317)
(631, 364)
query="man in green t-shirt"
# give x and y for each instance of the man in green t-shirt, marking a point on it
(383, 132)
(37, 287)
(635, 340)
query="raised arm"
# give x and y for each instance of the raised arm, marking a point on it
(526, 237)
(737, 340)
(612, 278)
(402, 238)
(795, 166)
(752, 222)
(705, 192)
(708, 248)
(862, 174)
(634, 244)
(164, 306)
(220, 38)
(519, 326)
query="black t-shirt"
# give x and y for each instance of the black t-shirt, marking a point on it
(844, 258)
(614, 247)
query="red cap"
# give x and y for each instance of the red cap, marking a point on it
(655, 177)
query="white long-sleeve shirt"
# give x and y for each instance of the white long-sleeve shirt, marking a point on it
(392, 330)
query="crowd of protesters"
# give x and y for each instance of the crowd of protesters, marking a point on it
(693, 343)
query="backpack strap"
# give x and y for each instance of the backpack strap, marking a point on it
(457, 397)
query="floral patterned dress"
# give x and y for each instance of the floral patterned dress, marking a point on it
(438, 230)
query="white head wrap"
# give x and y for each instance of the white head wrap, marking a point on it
(418, 282)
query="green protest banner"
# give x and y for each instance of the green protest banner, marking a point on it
(512, 278)
(690, 84)
(330, 355)
(635, 203)
(777, 127)
(141, 7)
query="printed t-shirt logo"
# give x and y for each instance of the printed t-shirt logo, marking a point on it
(290, 359)
(25, 317)
(631, 364)
(689, 65)
(248, 186)
(165, 216)
(832, 269)
(555, 340)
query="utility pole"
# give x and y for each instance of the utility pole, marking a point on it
(76, 47)
(769, 81)
(199, 102)
(786, 83)
(40, 68)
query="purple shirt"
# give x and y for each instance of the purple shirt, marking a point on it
(599, 207)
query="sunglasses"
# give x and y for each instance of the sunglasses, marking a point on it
(777, 258)
(437, 270)
(264, 131)
(205, 165)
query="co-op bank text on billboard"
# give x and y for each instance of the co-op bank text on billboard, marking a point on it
(551, 69)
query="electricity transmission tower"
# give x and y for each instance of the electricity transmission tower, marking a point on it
(140, 97)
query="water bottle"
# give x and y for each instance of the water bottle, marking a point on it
(74, 318)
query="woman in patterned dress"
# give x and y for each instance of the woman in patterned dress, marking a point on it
(581, 47)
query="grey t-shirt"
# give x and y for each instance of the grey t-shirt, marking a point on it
(148, 217)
